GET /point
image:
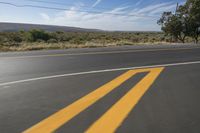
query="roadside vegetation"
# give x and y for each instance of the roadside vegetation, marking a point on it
(38, 39)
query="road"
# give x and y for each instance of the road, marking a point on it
(123, 89)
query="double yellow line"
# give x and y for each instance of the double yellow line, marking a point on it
(113, 118)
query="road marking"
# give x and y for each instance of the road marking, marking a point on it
(105, 52)
(55, 121)
(58, 119)
(114, 117)
(97, 71)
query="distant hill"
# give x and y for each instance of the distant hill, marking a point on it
(11, 27)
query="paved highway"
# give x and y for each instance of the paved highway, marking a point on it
(124, 89)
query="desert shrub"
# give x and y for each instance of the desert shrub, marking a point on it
(52, 40)
(162, 38)
(40, 41)
(77, 41)
(16, 38)
(35, 35)
(59, 32)
(137, 34)
(1, 39)
(10, 39)
(136, 40)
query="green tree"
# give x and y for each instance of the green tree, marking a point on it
(185, 22)
(193, 12)
(173, 25)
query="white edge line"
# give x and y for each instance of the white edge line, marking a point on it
(97, 71)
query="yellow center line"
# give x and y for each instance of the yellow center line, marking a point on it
(113, 118)
(56, 120)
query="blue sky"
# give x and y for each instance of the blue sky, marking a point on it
(141, 15)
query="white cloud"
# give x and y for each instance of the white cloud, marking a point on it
(164, 8)
(150, 8)
(96, 3)
(45, 16)
(108, 20)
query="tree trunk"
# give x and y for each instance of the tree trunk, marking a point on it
(182, 39)
(196, 40)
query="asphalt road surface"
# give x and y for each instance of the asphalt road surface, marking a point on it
(122, 89)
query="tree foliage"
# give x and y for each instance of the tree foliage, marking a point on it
(184, 22)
